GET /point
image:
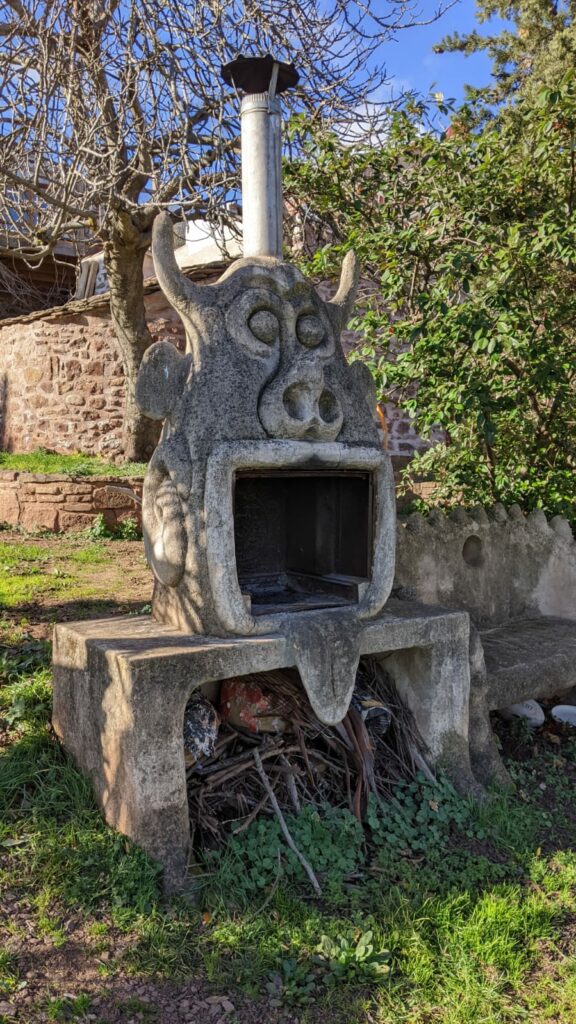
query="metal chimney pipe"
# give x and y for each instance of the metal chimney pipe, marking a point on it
(261, 79)
(261, 175)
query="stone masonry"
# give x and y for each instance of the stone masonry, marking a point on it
(62, 379)
(57, 502)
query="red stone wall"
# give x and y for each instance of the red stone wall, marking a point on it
(62, 380)
(56, 502)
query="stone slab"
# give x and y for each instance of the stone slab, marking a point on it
(529, 653)
(121, 687)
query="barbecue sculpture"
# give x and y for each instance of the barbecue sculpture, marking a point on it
(269, 523)
(264, 390)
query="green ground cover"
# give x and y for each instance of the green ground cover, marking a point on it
(451, 913)
(34, 571)
(42, 461)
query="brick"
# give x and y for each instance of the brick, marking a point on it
(43, 478)
(35, 516)
(107, 497)
(42, 499)
(33, 375)
(75, 520)
(9, 508)
(94, 369)
(132, 513)
(76, 506)
(80, 520)
(40, 487)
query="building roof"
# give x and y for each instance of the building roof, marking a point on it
(95, 302)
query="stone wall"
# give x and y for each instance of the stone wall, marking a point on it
(62, 379)
(57, 502)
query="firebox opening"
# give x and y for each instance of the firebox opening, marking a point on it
(303, 538)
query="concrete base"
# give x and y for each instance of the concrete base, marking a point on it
(121, 687)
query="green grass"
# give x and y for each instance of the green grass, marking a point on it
(8, 974)
(464, 945)
(33, 572)
(68, 1008)
(24, 575)
(454, 914)
(91, 554)
(42, 461)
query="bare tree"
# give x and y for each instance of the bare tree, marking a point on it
(111, 110)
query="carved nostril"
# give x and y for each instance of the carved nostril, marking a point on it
(296, 402)
(328, 406)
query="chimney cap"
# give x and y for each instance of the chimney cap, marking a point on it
(253, 74)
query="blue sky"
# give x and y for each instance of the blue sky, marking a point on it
(412, 64)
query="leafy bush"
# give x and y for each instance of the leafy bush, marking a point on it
(470, 240)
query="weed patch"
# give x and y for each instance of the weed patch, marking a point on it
(126, 529)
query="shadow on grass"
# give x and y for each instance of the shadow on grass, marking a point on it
(465, 919)
(35, 612)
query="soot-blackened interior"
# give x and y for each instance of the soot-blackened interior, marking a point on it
(303, 539)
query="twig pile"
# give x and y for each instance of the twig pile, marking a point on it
(310, 763)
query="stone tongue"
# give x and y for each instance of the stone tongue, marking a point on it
(326, 652)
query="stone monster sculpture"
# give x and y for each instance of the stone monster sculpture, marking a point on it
(263, 386)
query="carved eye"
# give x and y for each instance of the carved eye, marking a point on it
(264, 326)
(310, 331)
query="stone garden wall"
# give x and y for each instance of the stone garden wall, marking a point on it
(57, 502)
(62, 378)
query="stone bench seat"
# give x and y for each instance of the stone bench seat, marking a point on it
(515, 575)
(527, 653)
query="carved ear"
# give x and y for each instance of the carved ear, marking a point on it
(343, 302)
(161, 380)
(178, 289)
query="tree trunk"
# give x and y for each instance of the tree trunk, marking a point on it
(124, 253)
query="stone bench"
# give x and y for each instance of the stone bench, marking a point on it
(516, 577)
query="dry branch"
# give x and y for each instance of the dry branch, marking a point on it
(285, 830)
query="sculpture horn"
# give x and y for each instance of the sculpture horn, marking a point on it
(178, 289)
(343, 302)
